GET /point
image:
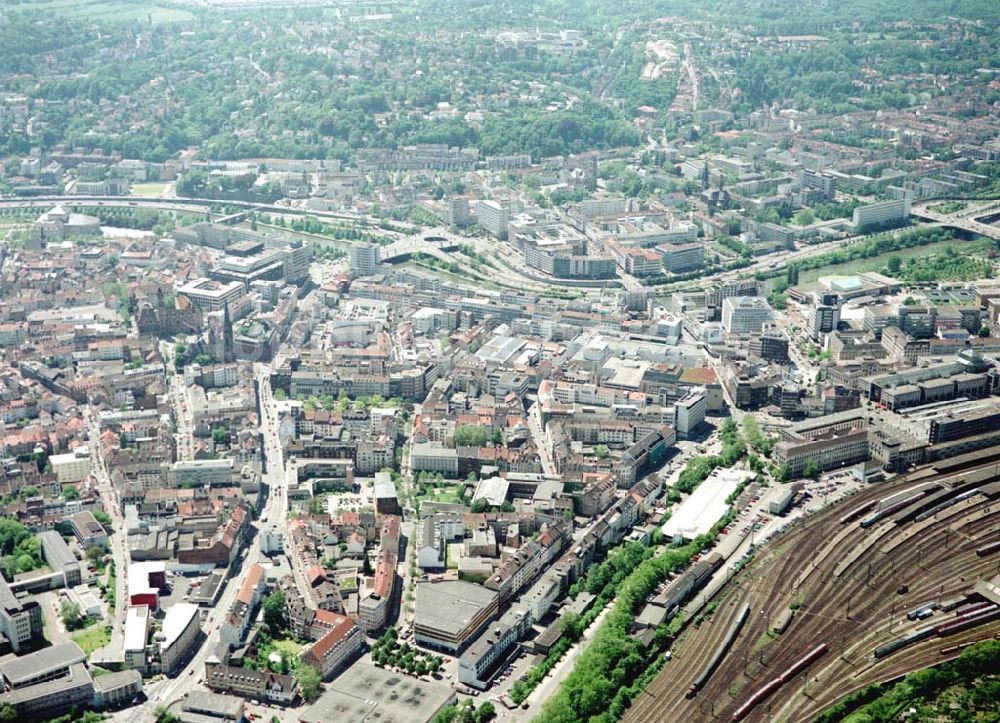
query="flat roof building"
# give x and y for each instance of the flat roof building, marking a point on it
(89, 532)
(178, 636)
(71, 467)
(210, 295)
(136, 636)
(451, 613)
(365, 694)
(60, 558)
(45, 664)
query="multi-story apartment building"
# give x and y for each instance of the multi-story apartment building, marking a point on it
(249, 683)
(679, 258)
(337, 647)
(430, 457)
(178, 635)
(881, 214)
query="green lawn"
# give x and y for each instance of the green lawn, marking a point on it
(288, 648)
(151, 190)
(441, 494)
(93, 638)
(453, 552)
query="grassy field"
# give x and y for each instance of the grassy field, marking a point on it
(441, 494)
(288, 647)
(150, 190)
(109, 10)
(97, 636)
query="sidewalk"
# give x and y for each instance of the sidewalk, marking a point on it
(548, 687)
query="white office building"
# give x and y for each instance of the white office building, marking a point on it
(71, 467)
(493, 217)
(689, 413)
(745, 314)
(884, 213)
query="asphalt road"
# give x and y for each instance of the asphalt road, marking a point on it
(169, 690)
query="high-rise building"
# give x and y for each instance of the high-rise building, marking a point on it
(228, 348)
(456, 212)
(689, 413)
(817, 182)
(493, 217)
(824, 317)
(20, 622)
(365, 259)
(771, 345)
(745, 314)
(884, 213)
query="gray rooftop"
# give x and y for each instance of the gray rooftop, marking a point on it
(121, 679)
(450, 605)
(57, 552)
(78, 676)
(27, 667)
(365, 694)
(385, 489)
(221, 705)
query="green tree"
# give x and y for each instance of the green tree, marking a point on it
(470, 435)
(792, 275)
(485, 712)
(94, 554)
(310, 681)
(984, 331)
(274, 612)
(163, 715)
(572, 625)
(811, 469)
(12, 532)
(70, 493)
(7, 712)
(279, 394)
(103, 517)
(70, 614)
(804, 217)
(480, 505)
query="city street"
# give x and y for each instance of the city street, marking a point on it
(167, 691)
(118, 540)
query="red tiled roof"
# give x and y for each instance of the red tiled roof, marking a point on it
(338, 631)
(252, 580)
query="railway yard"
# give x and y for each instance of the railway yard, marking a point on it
(896, 578)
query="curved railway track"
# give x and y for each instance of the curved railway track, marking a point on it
(845, 581)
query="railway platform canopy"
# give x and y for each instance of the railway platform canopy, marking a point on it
(706, 505)
(989, 589)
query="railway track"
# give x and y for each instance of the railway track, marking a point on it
(852, 613)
